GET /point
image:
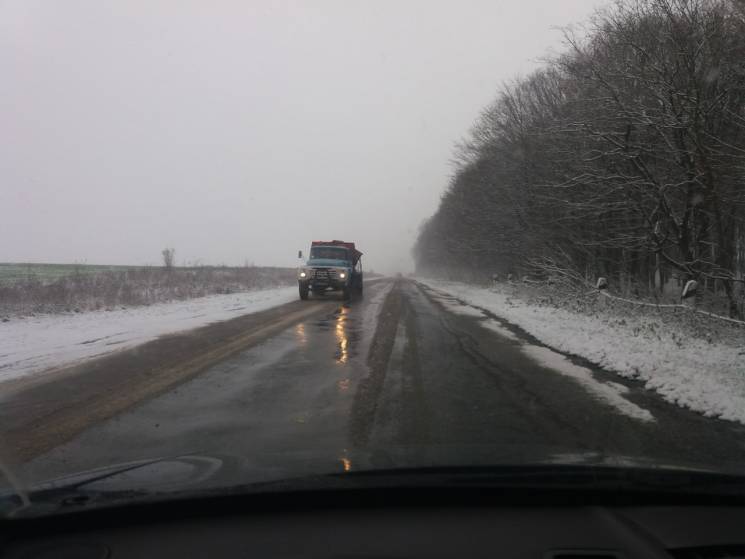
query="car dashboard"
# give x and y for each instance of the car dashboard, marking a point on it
(383, 525)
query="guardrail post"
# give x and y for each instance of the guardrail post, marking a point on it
(688, 297)
(602, 286)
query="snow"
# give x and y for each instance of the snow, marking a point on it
(375, 296)
(495, 326)
(610, 392)
(456, 307)
(706, 377)
(31, 345)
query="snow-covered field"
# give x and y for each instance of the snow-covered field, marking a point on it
(30, 345)
(690, 372)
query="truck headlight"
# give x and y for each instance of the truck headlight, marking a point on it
(342, 275)
(303, 274)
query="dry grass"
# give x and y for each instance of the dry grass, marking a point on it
(80, 292)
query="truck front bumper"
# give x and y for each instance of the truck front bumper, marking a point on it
(326, 284)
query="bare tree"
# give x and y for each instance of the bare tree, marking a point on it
(624, 157)
(169, 257)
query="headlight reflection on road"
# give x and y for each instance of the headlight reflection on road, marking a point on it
(341, 336)
(300, 331)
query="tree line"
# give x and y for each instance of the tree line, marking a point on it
(622, 157)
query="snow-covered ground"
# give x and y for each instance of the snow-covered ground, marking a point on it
(705, 377)
(33, 344)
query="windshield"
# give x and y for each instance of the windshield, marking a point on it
(548, 196)
(328, 253)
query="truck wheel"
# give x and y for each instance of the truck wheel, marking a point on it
(347, 293)
(359, 289)
(303, 287)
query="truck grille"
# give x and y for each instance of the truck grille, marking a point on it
(324, 274)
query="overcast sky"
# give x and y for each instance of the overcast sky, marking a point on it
(240, 131)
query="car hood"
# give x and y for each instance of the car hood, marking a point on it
(166, 478)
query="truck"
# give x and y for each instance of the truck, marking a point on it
(332, 266)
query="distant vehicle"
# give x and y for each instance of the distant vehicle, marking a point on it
(332, 266)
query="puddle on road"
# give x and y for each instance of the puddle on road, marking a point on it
(347, 325)
(324, 324)
(353, 325)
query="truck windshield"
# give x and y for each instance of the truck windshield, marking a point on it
(328, 253)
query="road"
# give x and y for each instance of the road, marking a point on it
(405, 377)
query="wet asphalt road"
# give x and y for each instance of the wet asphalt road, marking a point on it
(405, 377)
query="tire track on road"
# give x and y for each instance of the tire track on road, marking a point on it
(369, 389)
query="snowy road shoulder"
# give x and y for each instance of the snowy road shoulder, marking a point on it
(706, 377)
(31, 345)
